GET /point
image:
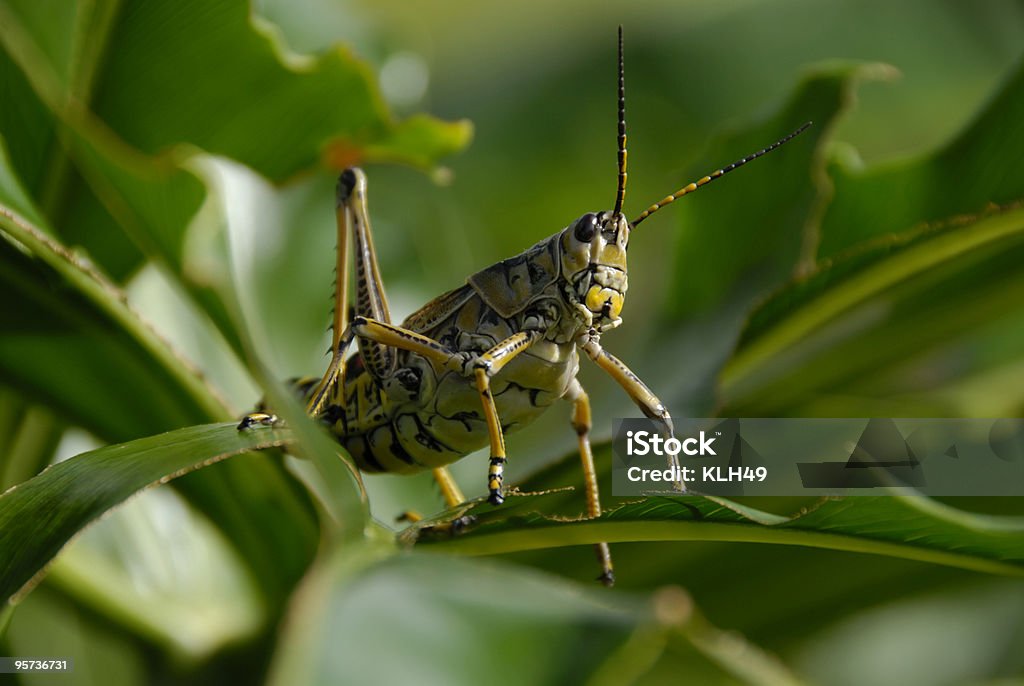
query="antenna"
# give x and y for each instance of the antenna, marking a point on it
(620, 194)
(712, 176)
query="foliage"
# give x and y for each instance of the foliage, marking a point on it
(160, 145)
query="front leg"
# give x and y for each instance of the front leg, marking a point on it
(484, 367)
(635, 388)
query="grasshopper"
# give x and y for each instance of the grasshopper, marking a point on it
(486, 358)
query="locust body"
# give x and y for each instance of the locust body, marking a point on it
(483, 359)
(424, 413)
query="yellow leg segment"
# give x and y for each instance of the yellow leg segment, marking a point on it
(637, 391)
(489, 364)
(496, 467)
(581, 423)
(397, 337)
(388, 335)
(497, 357)
(449, 489)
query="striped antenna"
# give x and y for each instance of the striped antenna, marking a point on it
(714, 175)
(620, 194)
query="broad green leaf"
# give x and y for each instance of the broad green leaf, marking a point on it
(961, 636)
(66, 44)
(980, 167)
(750, 230)
(136, 99)
(457, 622)
(908, 527)
(787, 591)
(99, 339)
(164, 572)
(42, 514)
(306, 106)
(25, 114)
(909, 300)
(63, 309)
(922, 317)
(458, 619)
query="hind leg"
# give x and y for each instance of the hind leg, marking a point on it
(581, 423)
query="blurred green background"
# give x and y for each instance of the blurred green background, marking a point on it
(917, 108)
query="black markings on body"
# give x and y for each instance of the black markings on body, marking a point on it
(368, 458)
(533, 393)
(409, 378)
(426, 438)
(333, 414)
(490, 318)
(354, 366)
(464, 417)
(399, 451)
(447, 339)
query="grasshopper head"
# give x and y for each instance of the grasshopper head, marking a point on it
(594, 246)
(594, 264)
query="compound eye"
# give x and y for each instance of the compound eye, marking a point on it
(586, 227)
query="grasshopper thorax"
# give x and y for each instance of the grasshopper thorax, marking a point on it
(594, 266)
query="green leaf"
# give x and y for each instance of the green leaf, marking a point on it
(42, 514)
(916, 309)
(136, 102)
(983, 622)
(456, 621)
(303, 103)
(917, 293)
(119, 569)
(908, 527)
(982, 166)
(748, 232)
(62, 309)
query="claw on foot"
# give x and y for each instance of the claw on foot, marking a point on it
(257, 418)
(459, 525)
(455, 527)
